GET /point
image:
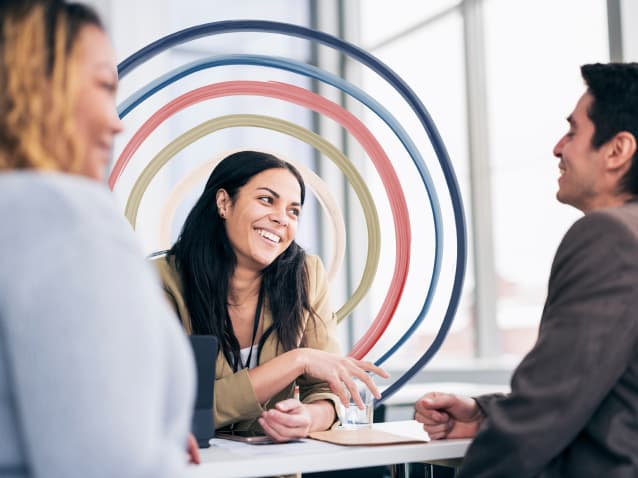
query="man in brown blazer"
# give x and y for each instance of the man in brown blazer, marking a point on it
(573, 408)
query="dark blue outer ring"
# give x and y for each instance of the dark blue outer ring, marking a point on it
(229, 26)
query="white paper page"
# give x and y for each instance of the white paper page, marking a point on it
(406, 428)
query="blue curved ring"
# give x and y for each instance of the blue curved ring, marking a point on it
(163, 81)
(297, 67)
(214, 28)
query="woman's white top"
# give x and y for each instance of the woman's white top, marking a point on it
(245, 352)
(96, 378)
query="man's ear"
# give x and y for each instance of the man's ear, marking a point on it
(622, 148)
(223, 201)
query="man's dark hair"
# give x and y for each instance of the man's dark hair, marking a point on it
(614, 88)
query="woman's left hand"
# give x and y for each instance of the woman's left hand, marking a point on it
(289, 420)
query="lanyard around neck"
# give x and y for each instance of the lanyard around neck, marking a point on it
(260, 302)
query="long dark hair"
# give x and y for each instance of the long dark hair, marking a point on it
(205, 261)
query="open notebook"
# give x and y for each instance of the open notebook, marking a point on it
(205, 351)
(388, 433)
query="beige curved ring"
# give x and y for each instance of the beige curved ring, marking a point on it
(314, 182)
(291, 129)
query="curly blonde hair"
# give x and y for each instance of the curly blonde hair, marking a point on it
(37, 91)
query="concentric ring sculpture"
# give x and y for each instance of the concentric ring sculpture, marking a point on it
(310, 100)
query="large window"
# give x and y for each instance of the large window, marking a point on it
(527, 70)
(425, 47)
(506, 69)
(533, 82)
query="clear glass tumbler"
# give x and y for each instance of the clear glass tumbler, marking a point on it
(352, 416)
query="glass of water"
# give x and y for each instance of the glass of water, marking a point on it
(352, 416)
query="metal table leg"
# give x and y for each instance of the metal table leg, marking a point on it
(400, 470)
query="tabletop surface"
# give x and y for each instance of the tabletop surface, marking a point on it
(240, 460)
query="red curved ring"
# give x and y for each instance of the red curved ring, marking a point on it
(354, 126)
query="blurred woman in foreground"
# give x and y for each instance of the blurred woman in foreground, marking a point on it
(96, 379)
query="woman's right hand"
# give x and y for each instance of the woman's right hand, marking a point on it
(338, 372)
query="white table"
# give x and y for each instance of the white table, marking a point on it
(231, 460)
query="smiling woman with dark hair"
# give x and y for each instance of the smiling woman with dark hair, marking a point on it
(236, 272)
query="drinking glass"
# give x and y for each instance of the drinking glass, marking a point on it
(351, 416)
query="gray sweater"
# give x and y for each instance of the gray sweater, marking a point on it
(96, 377)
